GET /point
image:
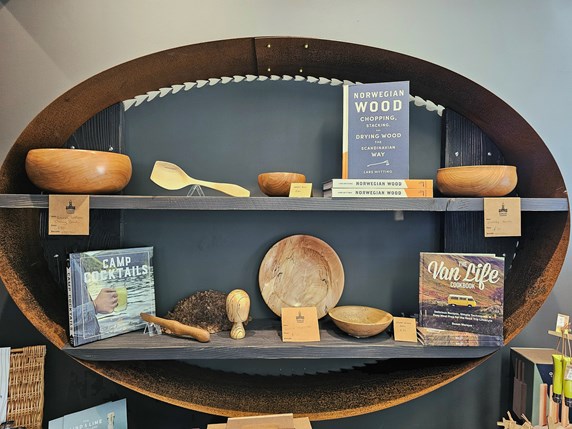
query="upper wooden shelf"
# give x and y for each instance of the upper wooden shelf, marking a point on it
(263, 341)
(144, 202)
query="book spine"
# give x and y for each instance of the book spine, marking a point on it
(379, 184)
(345, 132)
(378, 193)
(70, 302)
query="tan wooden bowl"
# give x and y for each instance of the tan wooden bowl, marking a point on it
(359, 321)
(77, 171)
(477, 180)
(277, 184)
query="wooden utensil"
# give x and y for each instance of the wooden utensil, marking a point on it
(177, 328)
(170, 176)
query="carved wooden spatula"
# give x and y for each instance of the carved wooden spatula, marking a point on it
(170, 176)
(178, 328)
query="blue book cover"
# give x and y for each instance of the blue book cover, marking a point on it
(107, 290)
(111, 415)
(376, 131)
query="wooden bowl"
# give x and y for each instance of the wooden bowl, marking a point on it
(277, 184)
(76, 171)
(477, 180)
(360, 321)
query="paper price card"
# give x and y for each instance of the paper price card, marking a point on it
(405, 329)
(562, 322)
(502, 217)
(568, 373)
(68, 215)
(300, 324)
(300, 190)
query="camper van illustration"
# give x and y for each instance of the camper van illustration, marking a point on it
(461, 301)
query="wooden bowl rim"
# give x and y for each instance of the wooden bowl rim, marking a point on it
(272, 173)
(385, 315)
(83, 151)
(479, 167)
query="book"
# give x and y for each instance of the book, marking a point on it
(440, 337)
(377, 183)
(376, 131)
(111, 415)
(107, 290)
(462, 292)
(377, 193)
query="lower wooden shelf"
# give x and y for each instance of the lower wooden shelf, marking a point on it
(263, 341)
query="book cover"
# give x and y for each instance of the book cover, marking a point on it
(111, 415)
(462, 292)
(107, 290)
(440, 337)
(376, 131)
(377, 193)
(377, 183)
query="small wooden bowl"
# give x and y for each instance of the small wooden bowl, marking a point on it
(360, 321)
(477, 180)
(277, 184)
(77, 171)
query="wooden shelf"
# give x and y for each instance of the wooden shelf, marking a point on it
(263, 341)
(140, 202)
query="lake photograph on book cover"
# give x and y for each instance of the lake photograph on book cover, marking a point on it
(139, 295)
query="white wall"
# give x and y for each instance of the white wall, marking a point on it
(521, 50)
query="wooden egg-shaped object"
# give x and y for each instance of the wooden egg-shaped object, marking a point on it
(237, 309)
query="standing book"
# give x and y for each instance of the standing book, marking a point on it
(107, 290)
(462, 292)
(376, 131)
(111, 415)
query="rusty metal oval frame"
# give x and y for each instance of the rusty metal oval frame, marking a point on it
(322, 396)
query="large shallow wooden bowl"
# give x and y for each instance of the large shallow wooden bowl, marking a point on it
(359, 321)
(76, 171)
(277, 184)
(477, 180)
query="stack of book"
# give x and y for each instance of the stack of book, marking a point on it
(378, 188)
(441, 337)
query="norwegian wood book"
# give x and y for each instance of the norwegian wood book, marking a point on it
(462, 292)
(377, 193)
(107, 290)
(378, 184)
(376, 131)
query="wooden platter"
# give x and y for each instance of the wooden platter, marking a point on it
(301, 271)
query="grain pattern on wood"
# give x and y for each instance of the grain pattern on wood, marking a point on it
(143, 202)
(464, 144)
(263, 341)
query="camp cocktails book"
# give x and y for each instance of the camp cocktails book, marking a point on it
(107, 290)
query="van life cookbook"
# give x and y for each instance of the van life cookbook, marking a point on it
(462, 292)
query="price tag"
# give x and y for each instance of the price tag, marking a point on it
(300, 324)
(502, 217)
(300, 190)
(562, 322)
(68, 215)
(405, 329)
(568, 372)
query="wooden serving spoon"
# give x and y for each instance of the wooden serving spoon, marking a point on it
(170, 176)
(178, 328)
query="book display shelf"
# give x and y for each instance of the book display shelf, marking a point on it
(476, 128)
